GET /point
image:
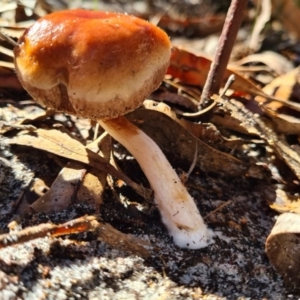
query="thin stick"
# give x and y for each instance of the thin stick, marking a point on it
(5, 37)
(185, 176)
(217, 209)
(75, 226)
(104, 232)
(215, 76)
(229, 82)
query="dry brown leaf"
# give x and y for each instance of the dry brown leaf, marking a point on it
(92, 188)
(17, 117)
(7, 7)
(13, 31)
(193, 69)
(6, 57)
(51, 6)
(121, 241)
(178, 143)
(288, 12)
(233, 115)
(284, 123)
(275, 62)
(281, 147)
(61, 144)
(286, 203)
(177, 99)
(281, 87)
(72, 185)
(206, 132)
(37, 188)
(282, 247)
(63, 190)
(203, 26)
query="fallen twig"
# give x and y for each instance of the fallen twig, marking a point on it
(105, 232)
(217, 69)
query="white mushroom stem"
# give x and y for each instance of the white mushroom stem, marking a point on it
(177, 208)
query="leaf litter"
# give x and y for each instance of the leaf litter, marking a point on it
(247, 169)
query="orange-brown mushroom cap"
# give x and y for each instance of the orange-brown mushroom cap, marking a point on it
(93, 64)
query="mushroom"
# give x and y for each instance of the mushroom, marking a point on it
(101, 65)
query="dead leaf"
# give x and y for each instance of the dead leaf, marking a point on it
(286, 203)
(206, 132)
(92, 188)
(17, 117)
(8, 7)
(203, 26)
(13, 31)
(282, 148)
(63, 190)
(233, 115)
(275, 62)
(122, 241)
(178, 99)
(281, 87)
(37, 188)
(61, 144)
(288, 13)
(175, 141)
(193, 69)
(284, 123)
(282, 247)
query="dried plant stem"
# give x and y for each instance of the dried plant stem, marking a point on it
(218, 209)
(230, 29)
(5, 37)
(43, 230)
(104, 232)
(229, 82)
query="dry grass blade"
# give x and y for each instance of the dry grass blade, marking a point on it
(6, 51)
(260, 23)
(5, 37)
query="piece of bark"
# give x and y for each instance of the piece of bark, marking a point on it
(283, 250)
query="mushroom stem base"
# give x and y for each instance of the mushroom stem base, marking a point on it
(177, 208)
